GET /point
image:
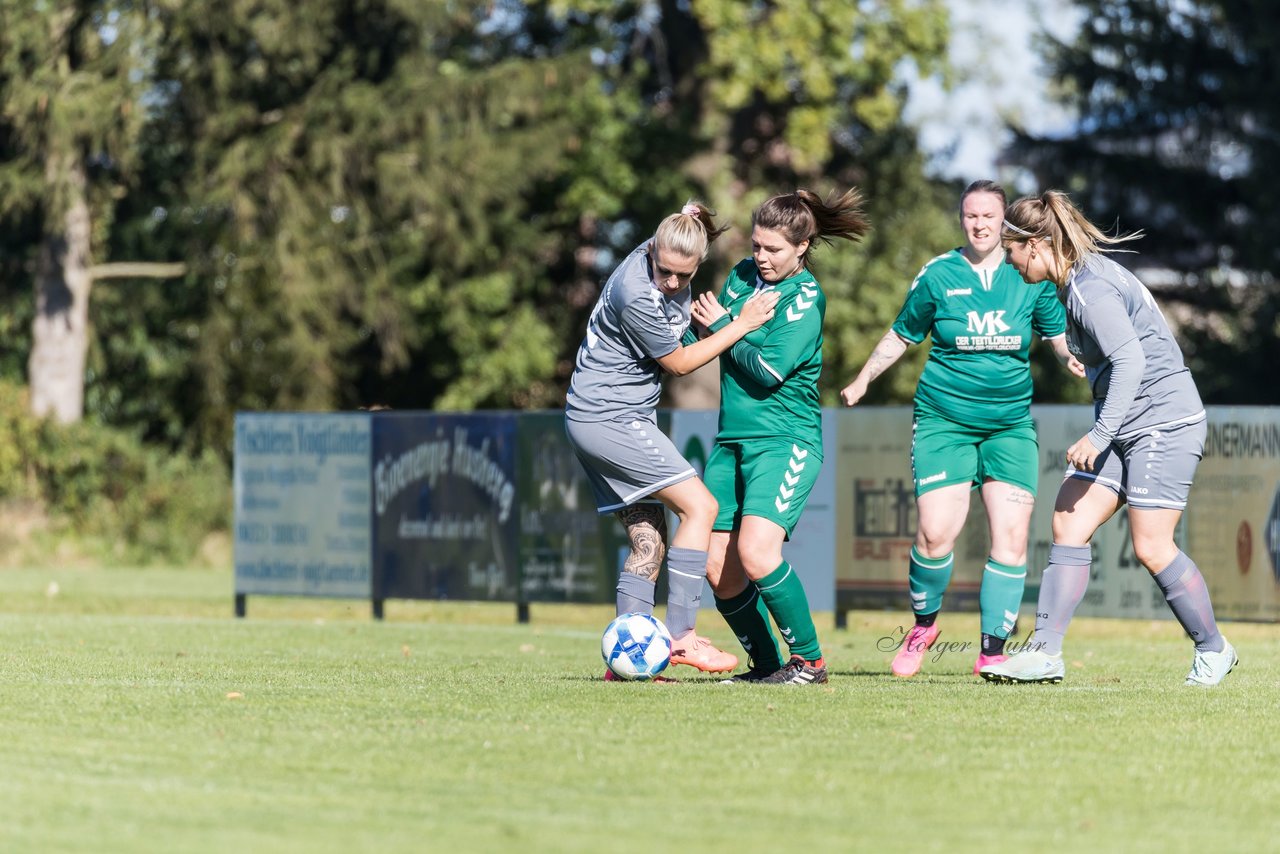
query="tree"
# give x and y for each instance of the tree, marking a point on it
(376, 196)
(69, 88)
(1178, 131)
(743, 100)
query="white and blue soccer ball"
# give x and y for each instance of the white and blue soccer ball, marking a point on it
(636, 647)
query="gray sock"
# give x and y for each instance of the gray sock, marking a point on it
(1061, 589)
(686, 576)
(1188, 597)
(635, 594)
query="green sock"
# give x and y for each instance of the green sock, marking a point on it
(783, 594)
(747, 617)
(928, 578)
(1000, 596)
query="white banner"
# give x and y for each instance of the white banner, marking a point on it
(301, 486)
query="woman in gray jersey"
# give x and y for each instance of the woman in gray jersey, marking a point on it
(638, 329)
(1146, 441)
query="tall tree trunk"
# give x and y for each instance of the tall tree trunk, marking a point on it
(60, 332)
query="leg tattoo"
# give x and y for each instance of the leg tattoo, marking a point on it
(646, 525)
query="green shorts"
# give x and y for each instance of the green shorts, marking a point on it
(944, 453)
(770, 479)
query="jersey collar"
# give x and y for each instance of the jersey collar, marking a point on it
(799, 278)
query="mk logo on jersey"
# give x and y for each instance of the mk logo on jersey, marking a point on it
(990, 323)
(959, 292)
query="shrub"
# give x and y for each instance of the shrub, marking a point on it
(106, 491)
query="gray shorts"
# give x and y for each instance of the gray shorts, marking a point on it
(626, 460)
(1152, 470)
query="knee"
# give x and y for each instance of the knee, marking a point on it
(701, 513)
(934, 544)
(1009, 547)
(1067, 531)
(705, 511)
(758, 559)
(1154, 553)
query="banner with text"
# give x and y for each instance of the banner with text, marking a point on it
(301, 495)
(1233, 515)
(445, 520)
(568, 551)
(877, 522)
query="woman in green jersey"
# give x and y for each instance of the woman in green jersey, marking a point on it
(972, 425)
(769, 446)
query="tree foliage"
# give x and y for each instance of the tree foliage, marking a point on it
(414, 203)
(1179, 130)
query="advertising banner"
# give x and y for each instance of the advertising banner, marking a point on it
(301, 498)
(495, 506)
(876, 513)
(875, 507)
(1119, 586)
(568, 551)
(445, 518)
(1233, 515)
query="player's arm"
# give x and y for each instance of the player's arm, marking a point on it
(1107, 322)
(687, 358)
(911, 326)
(888, 351)
(1049, 321)
(1128, 363)
(1059, 345)
(785, 347)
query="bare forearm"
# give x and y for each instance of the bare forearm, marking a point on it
(685, 360)
(1059, 345)
(888, 351)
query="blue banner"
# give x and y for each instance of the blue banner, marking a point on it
(568, 551)
(445, 518)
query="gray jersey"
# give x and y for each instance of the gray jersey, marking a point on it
(632, 325)
(1133, 363)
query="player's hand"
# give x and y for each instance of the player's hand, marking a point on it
(758, 309)
(853, 392)
(706, 309)
(1075, 366)
(1082, 454)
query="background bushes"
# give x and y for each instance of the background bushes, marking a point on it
(101, 495)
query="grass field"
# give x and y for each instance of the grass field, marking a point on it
(140, 716)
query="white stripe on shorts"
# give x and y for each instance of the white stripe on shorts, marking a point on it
(1145, 504)
(635, 497)
(1087, 475)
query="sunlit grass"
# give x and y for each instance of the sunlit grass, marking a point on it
(139, 715)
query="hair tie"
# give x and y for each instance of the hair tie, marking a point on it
(690, 210)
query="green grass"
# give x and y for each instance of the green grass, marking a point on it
(139, 715)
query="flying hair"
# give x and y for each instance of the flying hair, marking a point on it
(803, 215)
(1053, 218)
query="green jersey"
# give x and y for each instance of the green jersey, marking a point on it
(981, 322)
(769, 379)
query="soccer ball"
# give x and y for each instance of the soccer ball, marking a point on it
(636, 647)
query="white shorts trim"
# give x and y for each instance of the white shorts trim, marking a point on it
(635, 497)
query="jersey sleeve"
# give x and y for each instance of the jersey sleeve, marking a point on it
(788, 344)
(1048, 317)
(1102, 314)
(690, 337)
(916, 317)
(645, 328)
